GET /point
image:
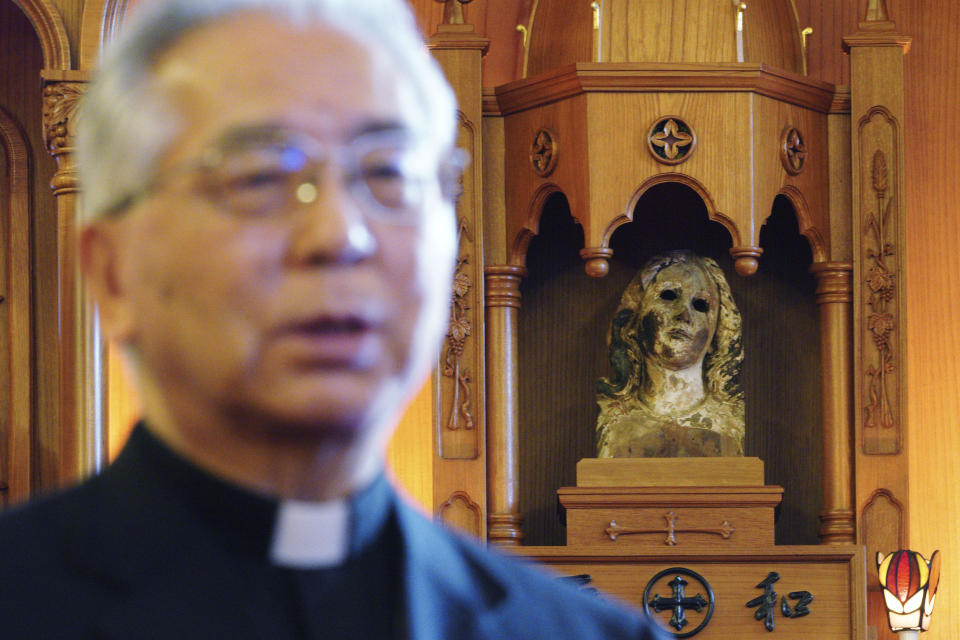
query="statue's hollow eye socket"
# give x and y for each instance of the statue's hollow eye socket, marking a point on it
(701, 305)
(668, 294)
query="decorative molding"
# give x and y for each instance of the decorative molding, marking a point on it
(882, 528)
(834, 284)
(51, 31)
(531, 227)
(626, 77)
(99, 25)
(462, 512)
(793, 151)
(671, 140)
(841, 101)
(818, 246)
(503, 285)
(681, 178)
(505, 529)
(544, 152)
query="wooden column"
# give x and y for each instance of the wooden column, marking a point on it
(878, 139)
(503, 304)
(81, 441)
(834, 297)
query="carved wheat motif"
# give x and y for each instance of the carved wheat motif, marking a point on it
(881, 286)
(460, 416)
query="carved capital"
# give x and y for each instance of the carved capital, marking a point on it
(503, 285)
(834, 282)
(60, 101)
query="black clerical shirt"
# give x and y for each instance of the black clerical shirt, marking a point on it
(359, 598)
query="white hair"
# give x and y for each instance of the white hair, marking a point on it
(125, 123)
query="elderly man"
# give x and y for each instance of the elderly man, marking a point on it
(269, 233)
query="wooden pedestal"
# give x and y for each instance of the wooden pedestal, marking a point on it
(681, 538)
(834, 575)
(640, 518)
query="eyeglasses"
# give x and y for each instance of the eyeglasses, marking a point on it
(262, 172)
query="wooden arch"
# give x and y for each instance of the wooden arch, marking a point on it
(99, 24)
(15, 301)
(680, 178)
(531, 227)
(48, 25)
(818, 247)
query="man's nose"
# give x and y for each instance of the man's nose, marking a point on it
(684, 315)
(331, 226)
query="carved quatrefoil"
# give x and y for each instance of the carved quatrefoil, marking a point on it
(544, 152)
(793, 152)
(671, 140)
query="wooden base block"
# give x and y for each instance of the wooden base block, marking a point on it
(631, 519)
(670, 472)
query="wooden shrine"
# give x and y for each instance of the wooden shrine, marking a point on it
(631, 126)
(645, 126)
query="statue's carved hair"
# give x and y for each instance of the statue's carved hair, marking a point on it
(724, 358)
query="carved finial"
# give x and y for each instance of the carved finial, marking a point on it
(877, 11)
(453, 11)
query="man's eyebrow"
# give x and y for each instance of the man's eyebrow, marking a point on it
(388, 127)
(252, 134)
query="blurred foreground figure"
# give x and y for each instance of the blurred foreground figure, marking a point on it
(269, 233)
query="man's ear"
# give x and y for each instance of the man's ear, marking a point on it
(101, 260)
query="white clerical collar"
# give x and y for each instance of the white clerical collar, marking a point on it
(311, 535)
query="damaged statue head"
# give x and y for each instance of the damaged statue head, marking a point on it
(676, 353)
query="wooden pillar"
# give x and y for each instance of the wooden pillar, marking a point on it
(878, 139)
(503, 490)
(834, 297)
(459, 479)
(81, 442)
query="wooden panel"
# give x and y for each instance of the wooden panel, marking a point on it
(833, 575)
(830, 22)
(932, 96)
(20, 63)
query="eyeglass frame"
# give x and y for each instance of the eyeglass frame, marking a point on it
(448, 168)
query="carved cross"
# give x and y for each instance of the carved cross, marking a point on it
(679, 603)
(725, 530)
(453, 11)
